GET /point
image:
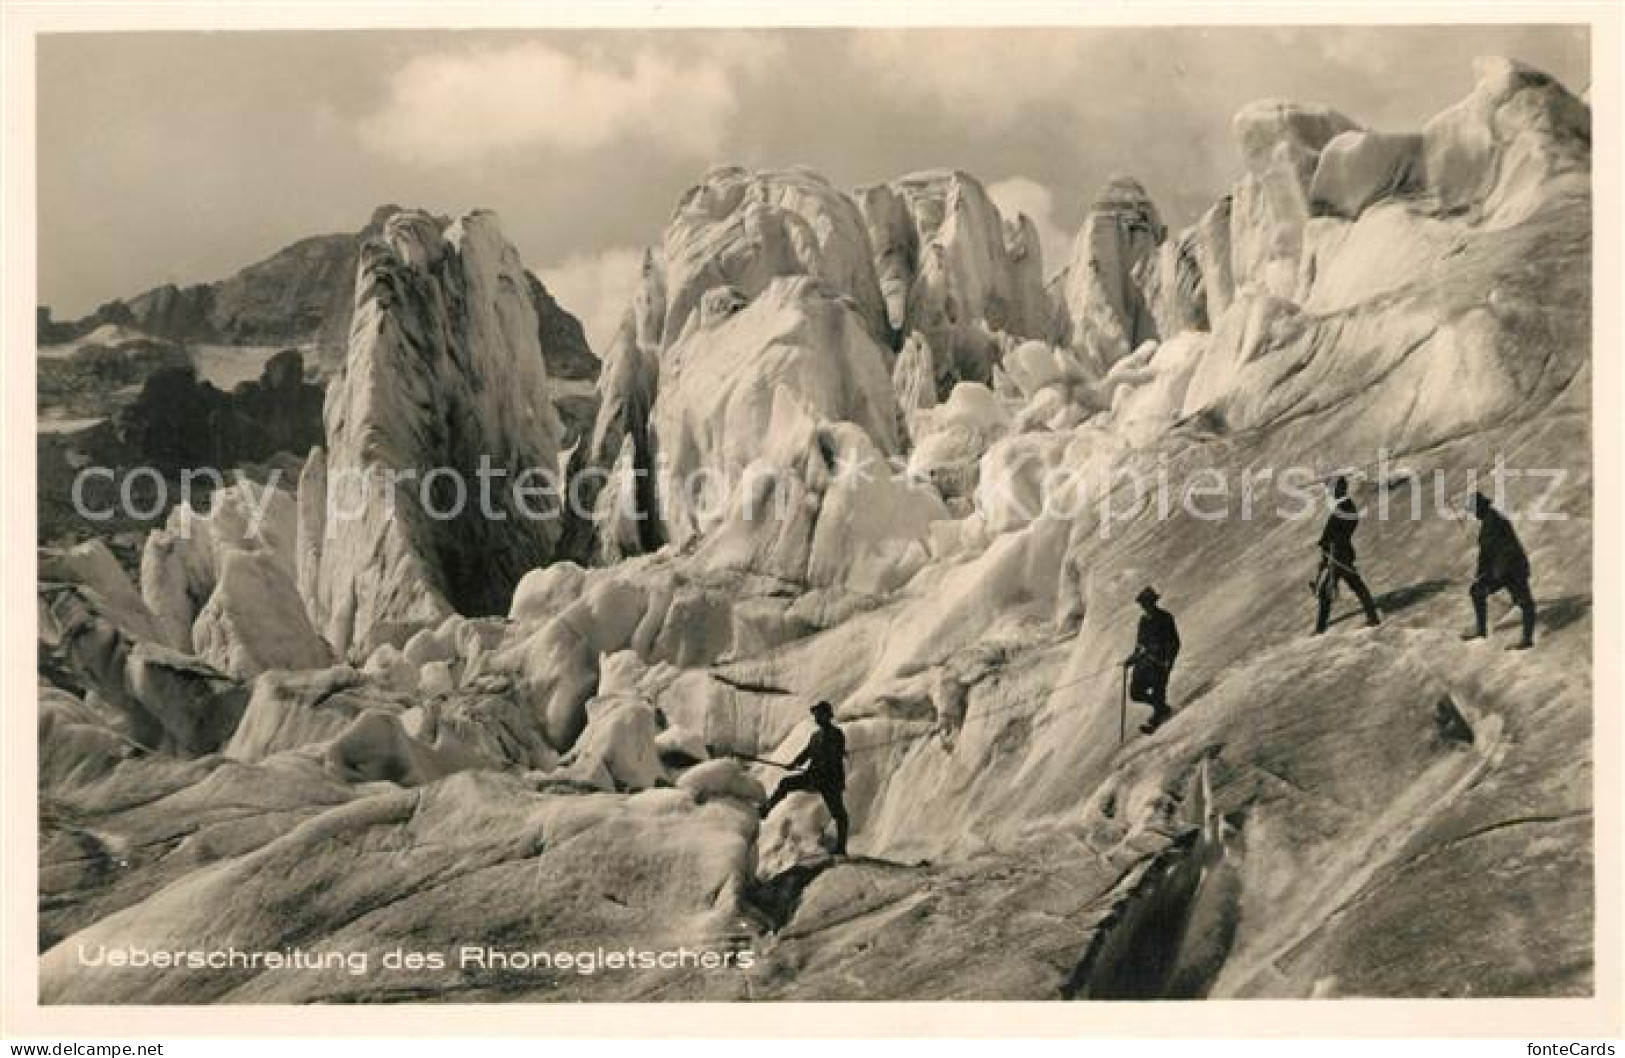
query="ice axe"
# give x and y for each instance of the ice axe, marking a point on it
(759, 760)
(1122, 710)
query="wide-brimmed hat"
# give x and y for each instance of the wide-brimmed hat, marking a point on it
(822, 709)
(1147, 594)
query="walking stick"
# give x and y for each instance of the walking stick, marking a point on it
(1122, 710)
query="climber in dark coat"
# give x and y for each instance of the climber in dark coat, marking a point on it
(1502, 566)
(825, 760)
(1156, 645)
(1337, 560)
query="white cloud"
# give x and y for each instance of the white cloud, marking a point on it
(985, 79)
(458, 107)
(596, 288)
(1021, 195)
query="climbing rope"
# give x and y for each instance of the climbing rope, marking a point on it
(1017, 703)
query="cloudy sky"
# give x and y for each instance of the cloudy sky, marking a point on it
(181, 157)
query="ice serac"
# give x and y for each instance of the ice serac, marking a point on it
(1360, 167)
(1173, 285)
(821, 508)
(736, 231)
(444, 388)
(1281, 143)
(719, 384)
(181, 564)
(617, 450)
(954, 270)
(743, 230)
(914, 376)
(255, 619)
(1496, 153)
(1211, 238)
(895, 241)
(1104, 310)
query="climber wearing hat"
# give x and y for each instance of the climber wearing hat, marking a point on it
(825, 774)
(1502, 566)
(1155, 648)
(1337, 560)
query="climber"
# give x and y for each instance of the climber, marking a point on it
(1502, 566)
(825, 774)
(1155, 648)
(1337, 560)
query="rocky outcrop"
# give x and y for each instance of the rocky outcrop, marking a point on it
(443, 378)
(563, 342)
(88, 381)
(299, 294)
(181, 421)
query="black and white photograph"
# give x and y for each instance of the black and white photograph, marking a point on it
(752, 513)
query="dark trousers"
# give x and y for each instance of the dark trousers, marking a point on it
(1518, 588)
(1149, 684)
(831, 793)
(1328, 588)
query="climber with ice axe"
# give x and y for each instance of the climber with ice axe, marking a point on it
(824, 758)
(1155, 648)
(1337, 560)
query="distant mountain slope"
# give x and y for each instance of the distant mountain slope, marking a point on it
(302, 294)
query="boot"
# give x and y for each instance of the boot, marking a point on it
(1368, 604)
(1481, 617)
(1528, 628)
